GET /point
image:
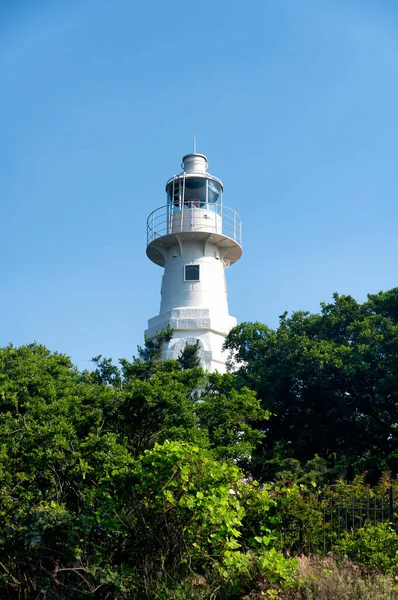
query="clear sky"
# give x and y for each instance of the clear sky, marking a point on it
(294, 102)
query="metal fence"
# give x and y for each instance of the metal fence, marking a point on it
(332, 514)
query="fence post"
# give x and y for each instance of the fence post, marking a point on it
(391, 504)
(324, 522)
(301, 536)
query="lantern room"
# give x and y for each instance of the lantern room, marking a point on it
(194, 211)
(194, 187)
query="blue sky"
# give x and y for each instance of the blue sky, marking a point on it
(294, 103)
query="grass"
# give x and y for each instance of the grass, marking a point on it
(327, 579)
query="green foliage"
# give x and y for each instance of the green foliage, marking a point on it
(189, 357)
(296, 509)
(230, 418)
(330, 382)
(102, 495)
(153, 347)
(196, 508)
(148, 356)
(373, 545)
(136, 481)
(193, 511)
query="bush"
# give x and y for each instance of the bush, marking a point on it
(189, 512)
(373, 545)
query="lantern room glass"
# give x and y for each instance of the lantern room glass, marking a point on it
(193, 192)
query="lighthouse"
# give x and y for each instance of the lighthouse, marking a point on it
(194, 238)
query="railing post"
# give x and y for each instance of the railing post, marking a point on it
(182, 201)
(171, 221)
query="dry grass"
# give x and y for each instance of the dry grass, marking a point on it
(325, 579)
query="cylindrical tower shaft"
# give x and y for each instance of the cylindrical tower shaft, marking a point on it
(194, 278)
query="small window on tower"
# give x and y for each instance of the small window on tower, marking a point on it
(191, 272)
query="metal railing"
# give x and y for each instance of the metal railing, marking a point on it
(194, 217)
(330, 514)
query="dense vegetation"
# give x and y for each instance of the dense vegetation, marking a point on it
(330, 382)
(157, 480)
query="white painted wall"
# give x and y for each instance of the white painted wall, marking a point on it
(210, 292)
(196, 219)
(189, 325)
(195, 310)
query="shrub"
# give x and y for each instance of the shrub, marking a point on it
(189, 512)
(372, 545)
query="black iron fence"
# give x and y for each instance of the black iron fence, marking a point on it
(333, 512)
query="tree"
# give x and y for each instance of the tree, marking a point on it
(152, 350)
(231, 418)
(143, 365)
(108, 480)
(330, 382)
(189, 357)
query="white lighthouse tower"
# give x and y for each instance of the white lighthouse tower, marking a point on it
(195, 238)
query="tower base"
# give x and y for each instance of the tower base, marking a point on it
(189, 325)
